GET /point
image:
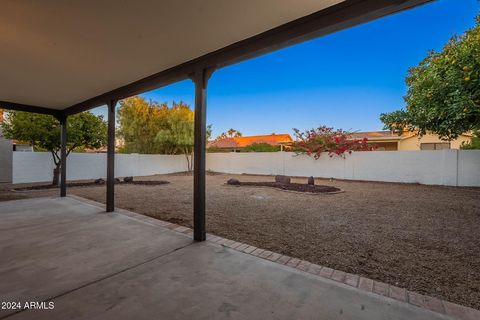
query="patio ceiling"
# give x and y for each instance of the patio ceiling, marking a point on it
(77, 55)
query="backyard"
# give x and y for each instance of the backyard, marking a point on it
(423, 238)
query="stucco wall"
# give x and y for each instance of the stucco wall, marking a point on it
(469, 167)
(38, 166)
(443, 167)
(6, 155)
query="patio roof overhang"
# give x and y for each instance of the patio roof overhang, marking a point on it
(74, 56)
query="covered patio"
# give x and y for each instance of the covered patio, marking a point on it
(96, 265)
(63, 58)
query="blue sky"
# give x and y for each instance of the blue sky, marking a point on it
(344, 80)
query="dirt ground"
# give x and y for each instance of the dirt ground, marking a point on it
(424, 238)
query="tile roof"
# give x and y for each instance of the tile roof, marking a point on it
(240, 142)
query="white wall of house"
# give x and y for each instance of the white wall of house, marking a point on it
(442, 167)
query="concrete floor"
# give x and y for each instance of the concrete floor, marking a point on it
(94, 265)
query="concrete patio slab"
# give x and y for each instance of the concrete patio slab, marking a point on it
(110, 266)
(51, 246)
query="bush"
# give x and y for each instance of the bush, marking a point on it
(217, 150)
(261, 147)
(326, 139)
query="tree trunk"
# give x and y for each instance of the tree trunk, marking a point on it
(56, 175)
(189, 161)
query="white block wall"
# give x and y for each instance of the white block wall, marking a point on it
(443, 167)
(38, 166)
(6, 159)
(468, 170)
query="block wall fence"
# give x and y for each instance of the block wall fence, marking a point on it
(442, 167)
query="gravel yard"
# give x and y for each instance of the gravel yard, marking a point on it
(424, 238)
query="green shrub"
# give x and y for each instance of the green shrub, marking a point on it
(261, 147)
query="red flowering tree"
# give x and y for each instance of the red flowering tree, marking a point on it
(326, 139)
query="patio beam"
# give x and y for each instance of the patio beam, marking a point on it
(29, 108)
(200, 79)
(111, 157)
(63, 155)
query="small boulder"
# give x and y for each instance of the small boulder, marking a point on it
(282, 179)
(99, 181)
(233, 182)
(128, 179)
(117, 180)
(311, 181)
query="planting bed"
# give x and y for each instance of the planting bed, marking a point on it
(88, 184)
(295, 187)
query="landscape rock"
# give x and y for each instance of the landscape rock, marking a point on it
(99, 181)
(282, 179)
(233, 182)
(117, 180)
(311, 181)
(128, 179)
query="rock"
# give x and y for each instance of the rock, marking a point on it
(282, 179)
(233, 182)
(99, 181)
(311, 181)
(117, 180)
(128, 179)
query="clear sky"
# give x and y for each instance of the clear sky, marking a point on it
(344, 80)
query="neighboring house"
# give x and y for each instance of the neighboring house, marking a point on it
(119, 144)
(238, 143)
(21, 146)
(409, 141)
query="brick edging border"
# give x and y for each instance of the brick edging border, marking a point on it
(453, 310)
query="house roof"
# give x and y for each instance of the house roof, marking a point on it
(379, 135)
(77, 55)
(240, 142)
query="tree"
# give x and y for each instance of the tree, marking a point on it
(178, 134)
(84, 130)
(154, 128)
(443, 91)
(139, 122)
(231, 133)
(326, 139)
